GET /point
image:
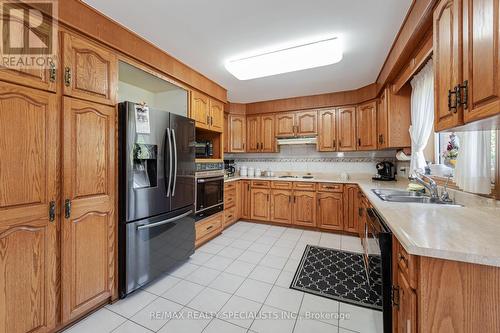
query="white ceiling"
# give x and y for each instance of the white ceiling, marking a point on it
(204, 34)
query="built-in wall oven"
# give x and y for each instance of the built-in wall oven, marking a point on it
(209, 189)
(378, 242)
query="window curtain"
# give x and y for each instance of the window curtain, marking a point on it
(473, 169)
(422, 115)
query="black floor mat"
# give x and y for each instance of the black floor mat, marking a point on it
(340, 275)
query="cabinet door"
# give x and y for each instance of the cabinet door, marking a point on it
(238, 130)
(200, 110)
(382, 117)
(238, 201)
(447, 59)
(246, 200)
(227, 133)
(366, 123)
(268, 139)
(88, 227)
(304, 208)
(281, 206)
(407, 312)
(253, 134)
(29, 135)
(285, 124)
(351, 205)
(481, 58)
(216, 116)
(260, 204)
(306, 123)
(330, 211)
(346, 133)
(90, 72)
(40, 78)
(327, 131)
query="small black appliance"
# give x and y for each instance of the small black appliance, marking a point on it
(204, 149)
(229, 167)
(385, 171)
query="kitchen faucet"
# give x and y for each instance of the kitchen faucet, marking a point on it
(431, 185)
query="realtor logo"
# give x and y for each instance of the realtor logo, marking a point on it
(29, 34)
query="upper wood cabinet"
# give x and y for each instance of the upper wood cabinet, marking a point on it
(88, 229)
(89, 71)
(200, 109)
(260, 134)
(393, 118)
(351, 206)
(304, 208)
(366, 123)
(285, 124)
(281, 206)
(330, 211)
(327, 130)
(29, 132)
(346, 130)
(447, 63)
(237, 134)
(227, 133)
(300, 123)
(216, 116)
(40, 78)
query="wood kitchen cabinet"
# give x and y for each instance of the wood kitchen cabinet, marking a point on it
(393, 118)
(330, 211)
(260, 204)
(208, 228)
(237, 134)
(90, 71)
(304, 208)
(300, 123)
(406, 309)
(366, 126)
(281, 206)
(327, 130)
(246, 200)
(41, 78)
(260, 134)
(216, 115)
(346, 130)
(207, 113)
(285, 124)
(351, 208)
(227, 133)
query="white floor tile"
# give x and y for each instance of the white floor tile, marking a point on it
(156, 314)
(259, 247)
(241, 244)
(239, 311)
(285, 299)
(132, 304)
(226, 282)
(360, 319)
(331, 241)
(273, 261)
(231, 252)
(219, 263)
(240, 268)
(271, 320)
(184, 270)
(265, 274)
(291, 265)
(298, 252)
(161, 285)
(352, 244)
(131, 327)
(320, 308)
(266, 239)
(211, 248)
(209, 300)
(102, 321)
(281, 251)
(200, 257)
(183, 292)
(251, 257)
(285, 243)
(307, 326)
(285, 279)
(189, 321)
(219, 326)
(249, 237)
(254, 290)
(222, 240)
(203, 276)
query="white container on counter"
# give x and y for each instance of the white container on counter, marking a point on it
(243, 171)
(258, 172)
(251, 172)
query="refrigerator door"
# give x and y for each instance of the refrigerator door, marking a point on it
(145, 161)
(182, 192)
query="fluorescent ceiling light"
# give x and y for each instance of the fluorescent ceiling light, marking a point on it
(315, 54)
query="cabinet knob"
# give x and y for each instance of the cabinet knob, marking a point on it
(67, 208)
(67, 76)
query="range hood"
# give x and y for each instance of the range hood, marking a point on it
(297, 141)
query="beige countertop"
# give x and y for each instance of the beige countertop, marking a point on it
(468, 234)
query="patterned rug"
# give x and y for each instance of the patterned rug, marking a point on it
(340, 275)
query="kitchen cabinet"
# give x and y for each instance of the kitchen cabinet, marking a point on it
(260, 134)
(90, 71)
(330, 211)
(29, 132)
(227, 133)
(237, 134)
(406, 308)
(39, 77)
(88, 196)
(327, 130)
(366, 126)
(216, 116)
(281, 206)
(260, 204)
(232, 202)
(200, 109)
(208, 228)
(285, 124)
(300, 123)
(246, 200)
(351, 208)
(346, 131)
(304, 208)
(393, 118)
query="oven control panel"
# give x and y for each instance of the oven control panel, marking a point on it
(209, 166)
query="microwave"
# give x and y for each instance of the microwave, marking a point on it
(204, 149)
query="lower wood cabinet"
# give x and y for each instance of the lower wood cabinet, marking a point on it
(330, 211)
(246, 199)
(406, 308)
(351, 205)
(281, 206)
(208, 228)
(260, 204)
(304, 208)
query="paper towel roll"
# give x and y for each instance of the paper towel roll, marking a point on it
(401, 156)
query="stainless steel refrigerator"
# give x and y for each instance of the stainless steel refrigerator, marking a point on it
(156, 193)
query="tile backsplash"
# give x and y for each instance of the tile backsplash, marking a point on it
(305, 159)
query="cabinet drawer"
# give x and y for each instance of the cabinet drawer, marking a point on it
(261, 184)
(229, 186)
(329, 187)
(281, 185)
(229, 216)
(303, 186)
(408, 265)
(212, 225)
(230, 198)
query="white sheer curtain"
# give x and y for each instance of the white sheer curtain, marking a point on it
(422, 115)
(473, 169)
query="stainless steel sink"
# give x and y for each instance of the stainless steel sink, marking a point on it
(409, 197)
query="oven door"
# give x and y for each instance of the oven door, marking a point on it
(209, 193)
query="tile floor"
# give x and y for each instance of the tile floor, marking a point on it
(237, 282)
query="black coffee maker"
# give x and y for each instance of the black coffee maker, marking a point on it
(385, 171)
(229, 167)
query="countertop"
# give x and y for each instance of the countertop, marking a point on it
(468, 234)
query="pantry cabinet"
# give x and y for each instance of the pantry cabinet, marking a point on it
(366, 126)
(304, 208)
(281, 206)
(237, 134)
(260, 134)
(327, 130)
(330, 211)
(346, 132)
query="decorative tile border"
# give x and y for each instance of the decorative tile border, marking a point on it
(315, 160)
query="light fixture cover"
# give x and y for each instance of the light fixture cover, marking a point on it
(314, 54)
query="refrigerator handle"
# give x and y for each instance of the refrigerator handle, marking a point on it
(176, 161)
(169, 162)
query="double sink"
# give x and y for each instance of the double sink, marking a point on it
(409, 197)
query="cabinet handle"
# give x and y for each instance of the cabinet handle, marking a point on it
(359, 142)
(209, 227)
(208, 120)
(52, 211)
(452, 103)
(395, 296)
(340, 143)
(294, 199)
(67, 208)
(52, 72)
(319, 203)
(463, 94)
(289, 199)
(67, 76)
(334, 144)
(268, 197)
(211, 121)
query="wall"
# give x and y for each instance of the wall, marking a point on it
(305, 158)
